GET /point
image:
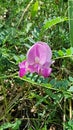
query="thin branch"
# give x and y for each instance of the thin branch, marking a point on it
(25, 10)
(70, 109)
(62, 57)
(64, 116)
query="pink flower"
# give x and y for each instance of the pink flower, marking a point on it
(38, 60)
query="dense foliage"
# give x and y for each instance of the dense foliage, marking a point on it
(34, 102)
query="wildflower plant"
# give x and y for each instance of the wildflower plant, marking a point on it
(39, 102)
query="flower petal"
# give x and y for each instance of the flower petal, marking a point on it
(23, 68)
(40, 51)
(34, 68)
(22, 64)
(46, 72)
(31, 54)
(48, 51)
(22, 72)
(47, 64)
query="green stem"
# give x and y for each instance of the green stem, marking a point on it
(70, 15)
(25, 10)
(64, 116)
(70, 109)
(9, 76)
(4, 94)
(61, 57)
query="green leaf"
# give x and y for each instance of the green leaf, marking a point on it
(71, 50)
(70, 89)
(53, 22)
(6, 125)
(30, 129)
(44, 128)
(16, 58)
(31, 40)
(35, 8)
(68, 51)
(70, 78)
(28, 27)
(16, 125)
(41, 100)
(61, 53)
(67, 94)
